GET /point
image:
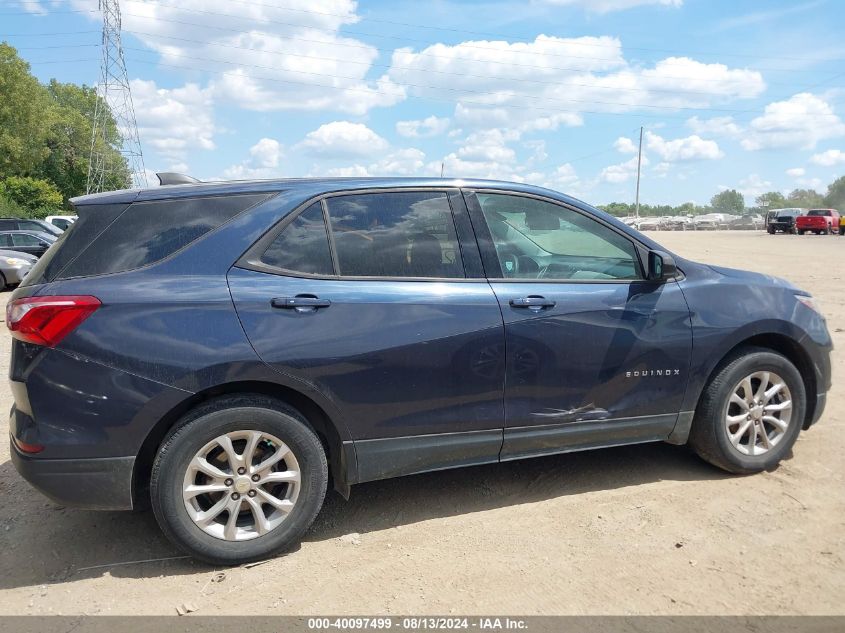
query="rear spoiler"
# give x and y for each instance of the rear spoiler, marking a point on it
(172, 178)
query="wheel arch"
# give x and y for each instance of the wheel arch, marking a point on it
(784, 345)
(339, 449)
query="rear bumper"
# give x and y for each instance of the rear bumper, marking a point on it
(97, 484)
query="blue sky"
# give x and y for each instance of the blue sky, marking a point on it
(742, 94)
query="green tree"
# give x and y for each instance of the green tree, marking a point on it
(45, 131)
(728, 201)
(835, 198)
(69, 141)
(806, 198)
(23, 112)
(39, 198)
(770, 200)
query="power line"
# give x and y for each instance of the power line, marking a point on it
(510, 37)
(395, 37)
(428, 71)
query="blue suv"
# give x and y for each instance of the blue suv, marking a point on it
(224, 351)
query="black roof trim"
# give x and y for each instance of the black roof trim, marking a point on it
(172, 178)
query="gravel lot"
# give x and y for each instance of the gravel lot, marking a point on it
(644, 529)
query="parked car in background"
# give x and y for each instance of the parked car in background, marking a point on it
(841, 224)
(679, 223)
(783, 220)
(62, 222)
(651, 224)
(14, 265)
(29, 224)
(818, 221)
(710, 221)
(748, 221)
(32, 242)
(224, 350)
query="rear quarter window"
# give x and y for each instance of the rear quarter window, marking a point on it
(144, 233)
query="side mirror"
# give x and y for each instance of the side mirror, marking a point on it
(661, 266)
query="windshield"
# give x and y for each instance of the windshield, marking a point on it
(819, 212)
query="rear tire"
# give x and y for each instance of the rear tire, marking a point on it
(247, 511)
(717, 431)
(842, 230)
(800, 232)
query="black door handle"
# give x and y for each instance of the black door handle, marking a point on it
(300, 301)
(532, 301)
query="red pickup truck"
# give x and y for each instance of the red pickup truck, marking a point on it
(820, 221)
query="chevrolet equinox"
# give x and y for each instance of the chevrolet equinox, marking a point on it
(224, 351)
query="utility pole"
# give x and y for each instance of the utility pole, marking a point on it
(113, 90)
(639, 163)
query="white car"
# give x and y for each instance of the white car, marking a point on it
(61, 221)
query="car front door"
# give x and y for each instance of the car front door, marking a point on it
(388, 319)
(596, 355)
(26, 243)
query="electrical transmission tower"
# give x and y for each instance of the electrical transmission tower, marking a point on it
(113, 89)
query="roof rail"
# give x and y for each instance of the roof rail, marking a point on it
(172, 178)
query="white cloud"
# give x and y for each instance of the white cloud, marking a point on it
(263, 56)
(753, 186)
(342, 139)
(546, 83)
(423, 128)
(564, 175)
(796, 172)
(263, 161)
(625, 145)
(800, 122)
(403, 162)
(829, 158)
(717, 126)
(36, 8)
(174, 121)
(683, 149)
(606, 6)
(621, 172)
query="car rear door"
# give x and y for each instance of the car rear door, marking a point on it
(386, 315)
(596, 355)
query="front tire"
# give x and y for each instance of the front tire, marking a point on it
(750, 413)
(239, 479)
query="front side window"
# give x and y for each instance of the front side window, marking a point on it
(303, 245)
(535, 239)
(395, 234)
(24, 239)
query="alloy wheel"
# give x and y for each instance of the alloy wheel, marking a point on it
(758, 413)
(241, 485)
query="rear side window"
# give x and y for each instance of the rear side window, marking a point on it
(147, 232)
(303, 245)
(395, 234)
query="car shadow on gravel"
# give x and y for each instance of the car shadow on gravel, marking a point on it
(43, 543)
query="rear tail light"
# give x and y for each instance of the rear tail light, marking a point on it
(27, 448)
(47, 320)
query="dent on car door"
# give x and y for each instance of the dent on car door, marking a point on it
(596, 355)
(387, 315)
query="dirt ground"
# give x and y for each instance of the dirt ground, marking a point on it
(648, 529)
